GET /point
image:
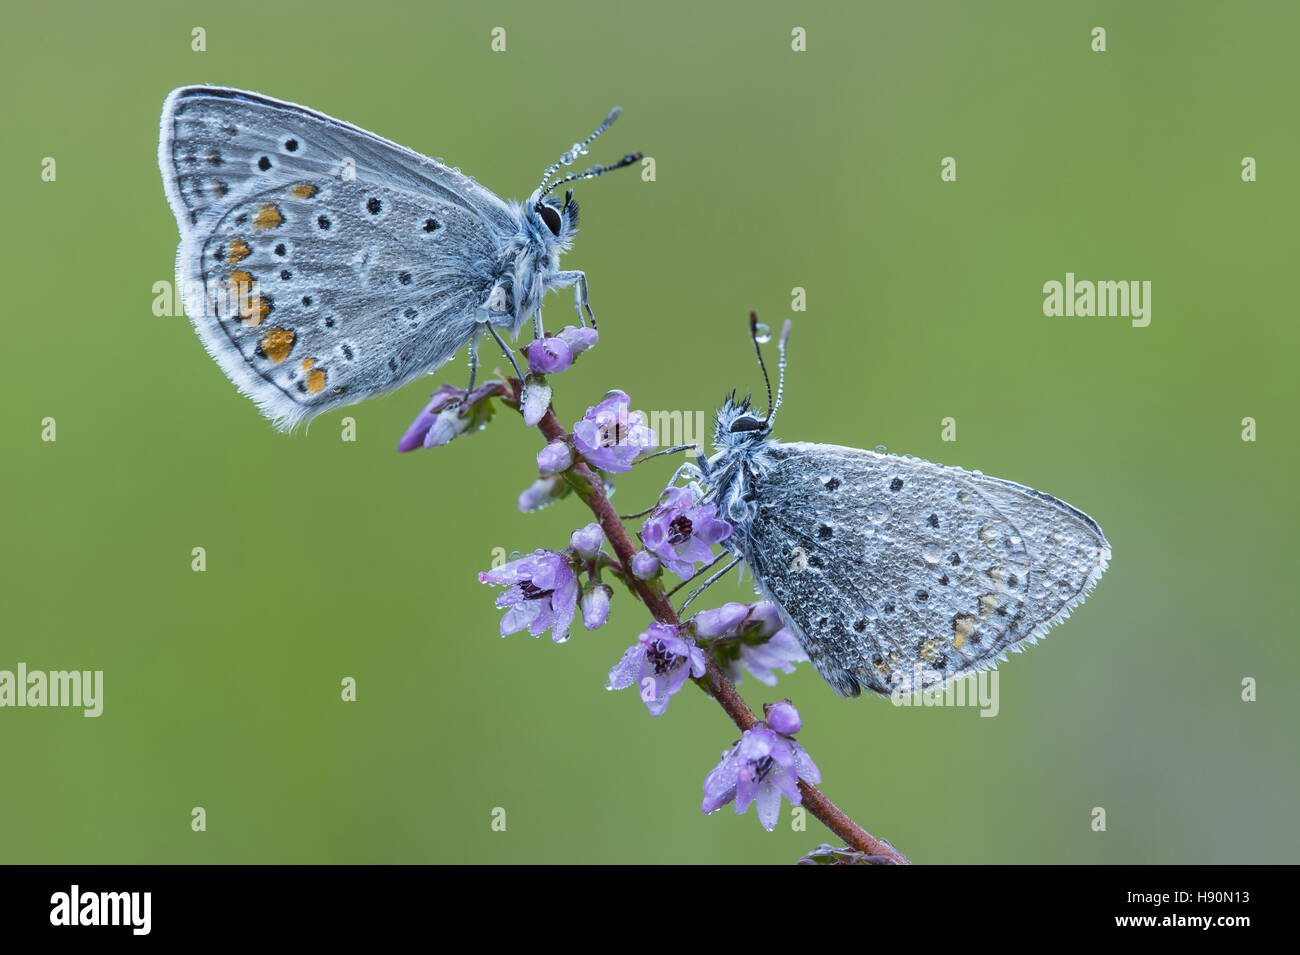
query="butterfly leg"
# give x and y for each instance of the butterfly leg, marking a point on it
(473, 364)
(705, 586)
(473, 372)
(505, 350)
(691, 470)
(677, 450)
(579, 282)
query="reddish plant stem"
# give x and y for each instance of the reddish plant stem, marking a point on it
(589, 486)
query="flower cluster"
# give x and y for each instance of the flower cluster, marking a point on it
(658, 663)
(610, 435)
(546, 589)
(552, 355)
(749, 635)
(682, 530)
(450, 413)
(543, 594)
(763, 765)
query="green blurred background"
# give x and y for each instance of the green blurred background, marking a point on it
(775, 169)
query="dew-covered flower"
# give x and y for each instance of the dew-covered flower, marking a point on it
(543, 594)
(681, 531)
(548, 356)
(578, 339)
(554, 458)
(449, 414)
(750, 636)
(610, 435)
(586, 541)
(781, 651)
(761, 768)
(783, 717)
(542, 493)
(657, 664)
(645, 565)
(595, 606)
(536, 398)
(724, 621)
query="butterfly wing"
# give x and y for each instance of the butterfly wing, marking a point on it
(321, 264)
(899, 574)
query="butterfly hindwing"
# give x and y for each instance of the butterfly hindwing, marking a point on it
(898, 574)
(319, 263)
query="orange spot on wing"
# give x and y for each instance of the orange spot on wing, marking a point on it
(307, 363)
(315, 380)
(256, 309)
(276, 344)
(304, 191)
(252, 308)
(241, 283)
(268, 217)
(962, 627)
(238, 250)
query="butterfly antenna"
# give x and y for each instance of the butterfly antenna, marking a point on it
(780, 382)
(595, 171)
(753, 335)
(571, 156)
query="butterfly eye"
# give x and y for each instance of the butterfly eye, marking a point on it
(745, 423)
(551, 217)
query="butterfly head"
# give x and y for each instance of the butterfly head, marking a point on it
(555, 222)
(737, 424)
(559, 220)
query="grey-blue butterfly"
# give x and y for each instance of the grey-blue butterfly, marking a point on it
(322, 264)
(894, 573)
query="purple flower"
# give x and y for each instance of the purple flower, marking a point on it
(781, 652)
(543, 594)
(749, 636)
(783, 717)
(681, 532)
(449, 414)
(609, 436)
(548, 356)
(761, 768)
(542, 493)
(535, 399)
(658, 664)
(554, 458)
(723, 621)
(579, 339)
(587, 541)
(644, 565)
(595, 606)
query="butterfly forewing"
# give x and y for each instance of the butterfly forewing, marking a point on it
(213, 137)
(319, 263)
(898, 574)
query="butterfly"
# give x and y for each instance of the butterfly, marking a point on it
(322, 265)
(894, 574)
